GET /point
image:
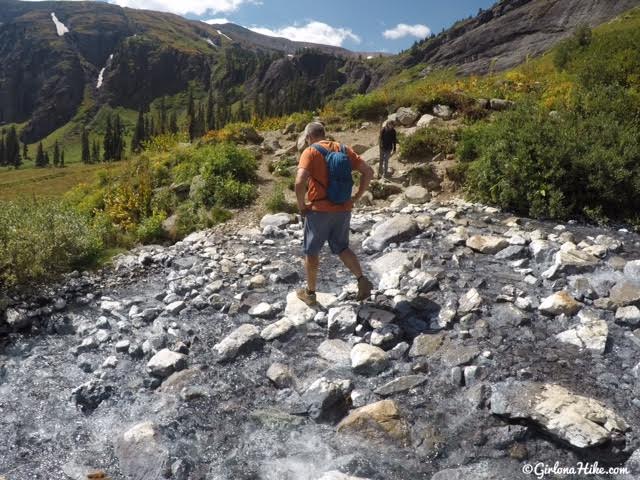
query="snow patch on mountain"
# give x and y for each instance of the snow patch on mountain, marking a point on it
(211, 42)
(224, 35)
(61, 28)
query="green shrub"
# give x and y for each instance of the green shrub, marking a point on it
(582, 163)
(40, 239)
(277, 201)
(150, 229)
(230, 193)
(425, 142)
(371, 107)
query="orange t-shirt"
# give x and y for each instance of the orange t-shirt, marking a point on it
(313, 162)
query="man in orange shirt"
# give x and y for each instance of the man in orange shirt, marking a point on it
(323, 220)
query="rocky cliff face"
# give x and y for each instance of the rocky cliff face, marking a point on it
(490, 342)
(504, 35)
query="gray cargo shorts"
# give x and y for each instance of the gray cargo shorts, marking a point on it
(320, 227)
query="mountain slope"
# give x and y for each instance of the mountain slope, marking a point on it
(504, 35)
(126, 57)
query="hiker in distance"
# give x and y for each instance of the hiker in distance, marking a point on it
(387, 141)
(326, 167)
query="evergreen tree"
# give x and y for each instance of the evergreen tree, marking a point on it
(163, 116)
(86, 150)
(173, 123)
(3, 155)
(46, 158)
(108, 141)
(190, 106)
(25, 151)
(40, 158)
(12, 148)
(95, 153)
(211, 113)
(152, 132)
(56, 154)
(118, 140)
(138, 134)
(62, 159)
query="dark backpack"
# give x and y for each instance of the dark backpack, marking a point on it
(340, 179)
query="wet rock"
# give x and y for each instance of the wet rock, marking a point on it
(90, 395)
(386, 337)
(395, 229)
(570, 260)
(243, 339)
(448, 312)
(458, 355)
(166, 362)
(632, 271)
(335, 351)
(336, 475)
(416, 195)
(390, 268)
(426, 345)
(628, 316)
(379, 422)
(280, 375)
(300, 313)
(261, 310)
(175, 307)
(277, 329)
(341, 320)
(507, 315)
(591, 334)
(512, 252)
(559, 303)
(368, 360)
(541, 250)
(487, 244)
(17, 319)
(485, 470)
(469, 302)
(140, 454)
(325, 400)
(400, 385)
(257, 281)
(580, 421)
(625, 294)
(375, 317)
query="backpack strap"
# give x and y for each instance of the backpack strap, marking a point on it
(320, 149)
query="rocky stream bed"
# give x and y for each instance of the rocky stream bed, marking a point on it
(490, 342)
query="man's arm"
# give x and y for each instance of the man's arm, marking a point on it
(301, 189)
(365, 179)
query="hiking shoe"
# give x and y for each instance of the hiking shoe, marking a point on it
(308, 298)
(364, 288)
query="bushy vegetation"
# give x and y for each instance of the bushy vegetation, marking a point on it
(40, 239)
(426, 142)
(276, 202)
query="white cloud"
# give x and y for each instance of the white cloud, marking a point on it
(314, 32)
(198, 7)
(217, 21)
(403, 30)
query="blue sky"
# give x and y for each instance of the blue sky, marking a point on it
(362, 25)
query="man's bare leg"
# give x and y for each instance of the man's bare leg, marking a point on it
(351, 262)
(311, 264)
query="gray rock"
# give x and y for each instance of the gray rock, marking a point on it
(140, 454)
(386, 337)
(470, 302)
(17, 319)
(278, 220)
(166, 362)
(427, 120)
(390, 268)
(406, 116)
(426, 345)
(261, 310)
(443, 111)
(368, 360)
(625, 294)
(335, 351)
(243, 339)
(500, 104)
(542, 250)
(175, 307)
(485, 470)
(628, 316)
(512, 252)
(416, 195)
(326, 399)
(591, 334)
(280, 375)
(458, 355)
(401, 384)
(487, 244)
(90, 395)
(336, 475)
(580, 421)
(632, 271)
(559, 303)
(341, 320)
(395, 229)
(277, 329)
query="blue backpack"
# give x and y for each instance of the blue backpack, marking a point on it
(340, 179)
